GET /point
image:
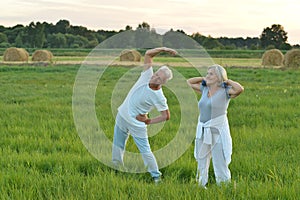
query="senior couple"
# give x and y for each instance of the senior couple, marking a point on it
(213, 140)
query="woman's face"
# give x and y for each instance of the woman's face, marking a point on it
(211, 77)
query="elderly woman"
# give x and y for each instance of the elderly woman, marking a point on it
(213, 138)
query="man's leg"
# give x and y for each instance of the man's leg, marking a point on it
(119, 142)
(147, 155)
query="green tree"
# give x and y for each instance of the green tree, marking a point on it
(81, 41)
(78, 30)
(13, 32)
(3, 38)
(144, 26)
(39, 37)
(19, 39)
(212, 43)
(178, 40)
(49, 28)
(198, 37)
(274, 35)
(57, 40)
(34, 35)
(30, 34)
(128, 28)
(142, 33)
(62, 26)
(76, 41)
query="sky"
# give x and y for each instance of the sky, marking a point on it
(215, 18)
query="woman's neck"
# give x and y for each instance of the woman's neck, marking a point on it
(212, 89)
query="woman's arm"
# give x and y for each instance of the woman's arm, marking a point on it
(236, 88)
(195, 83)
(148, 59)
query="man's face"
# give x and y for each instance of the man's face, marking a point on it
(158, 78)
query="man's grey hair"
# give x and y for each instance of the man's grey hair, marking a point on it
(167, 71)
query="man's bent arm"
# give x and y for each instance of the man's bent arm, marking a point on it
(164, 116)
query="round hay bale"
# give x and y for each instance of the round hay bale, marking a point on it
(42, 56)
(130, 55)
(14, 54)
(292, 59)
(272, 57)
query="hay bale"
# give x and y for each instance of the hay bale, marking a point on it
(292, 59)
(14, 54)
(130, 55)
(42, 56)
(272, 57)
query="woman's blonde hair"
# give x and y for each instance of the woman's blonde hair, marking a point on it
(220, 72)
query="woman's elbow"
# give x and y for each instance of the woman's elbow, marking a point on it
(188, 82)
(237, 92)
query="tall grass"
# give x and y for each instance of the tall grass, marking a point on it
(42, 156)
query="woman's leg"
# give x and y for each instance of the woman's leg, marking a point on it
(203, 156)
(222, 172)
(203, 167)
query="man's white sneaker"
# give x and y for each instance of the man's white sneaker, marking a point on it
(157, 180)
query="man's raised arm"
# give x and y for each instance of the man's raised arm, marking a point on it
(148, 60)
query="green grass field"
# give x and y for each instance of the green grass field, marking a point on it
(237, 58)
(42, 156)
(226, 62)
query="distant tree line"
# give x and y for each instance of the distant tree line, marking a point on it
(64, 35)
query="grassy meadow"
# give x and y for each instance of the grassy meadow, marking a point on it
(241, 58)
(42, 156)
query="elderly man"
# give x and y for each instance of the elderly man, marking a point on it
(132, 117)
